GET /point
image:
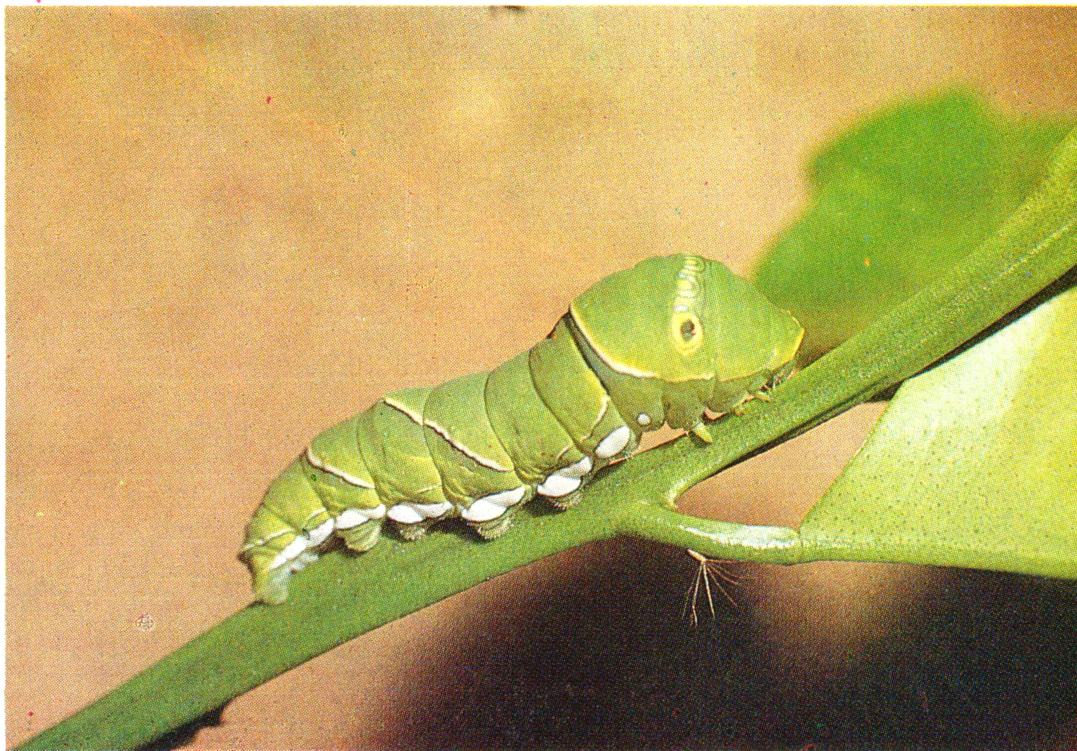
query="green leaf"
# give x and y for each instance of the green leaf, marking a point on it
(897, 201)
(974, 463)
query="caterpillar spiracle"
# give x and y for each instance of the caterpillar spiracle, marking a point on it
(656, 344)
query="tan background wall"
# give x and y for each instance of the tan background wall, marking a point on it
(228, 229)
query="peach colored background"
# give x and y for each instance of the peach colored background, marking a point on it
(228, 229)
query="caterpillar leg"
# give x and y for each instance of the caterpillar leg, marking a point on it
(412, 520)
(292, 525)
(287, 551)
(359, 531)
(491, 530)
(491, 515)
(565, 502)
(562, 488)
(289, 522)
(414, 531)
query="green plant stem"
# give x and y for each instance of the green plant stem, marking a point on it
(724, 540)
(342, 596)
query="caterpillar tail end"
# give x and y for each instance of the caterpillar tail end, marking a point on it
(270, 584)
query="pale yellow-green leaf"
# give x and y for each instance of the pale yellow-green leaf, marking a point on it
(974, 463)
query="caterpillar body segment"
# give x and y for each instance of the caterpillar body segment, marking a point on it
(656, 344)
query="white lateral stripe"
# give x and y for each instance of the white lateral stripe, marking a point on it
(579, 469)
(432, 510)
(291, 550)
(319, 534)
(375, 513)
(482, 511)
(414, 513)
(614, 443)
(353, 517)
(350, 518)
(417, 419)
(488, 463)
(338, 473)
(403, 513)
(505, 498)
(557, 485)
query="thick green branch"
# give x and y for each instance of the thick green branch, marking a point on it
(342, 596)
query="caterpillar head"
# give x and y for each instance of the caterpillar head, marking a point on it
(696, 332)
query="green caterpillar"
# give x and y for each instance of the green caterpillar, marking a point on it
(658, 343)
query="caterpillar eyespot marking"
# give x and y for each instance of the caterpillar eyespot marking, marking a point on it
(662, 343)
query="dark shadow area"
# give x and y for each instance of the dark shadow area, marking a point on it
(181, 736)
(603, 659)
